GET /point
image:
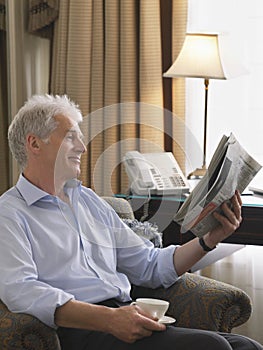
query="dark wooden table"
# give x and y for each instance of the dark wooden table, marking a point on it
(162, 209)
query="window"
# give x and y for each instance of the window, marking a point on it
(234, 105)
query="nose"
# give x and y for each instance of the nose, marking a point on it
(80, 146)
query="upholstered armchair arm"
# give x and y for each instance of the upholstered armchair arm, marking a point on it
(204, 303)
(25, 332)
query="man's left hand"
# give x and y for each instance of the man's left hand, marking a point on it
(229, 221)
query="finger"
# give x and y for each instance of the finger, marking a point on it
(236, 208)
(234, 217)
(146, 314)
(142, 312)
(237, 193)
(148, 321)
(229, 226)
(236, 199)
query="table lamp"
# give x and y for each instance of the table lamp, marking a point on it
(206, 56)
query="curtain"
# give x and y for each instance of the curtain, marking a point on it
(178, 85)
(107, 56)
(26, 60)
(24, 71)
(4, 153)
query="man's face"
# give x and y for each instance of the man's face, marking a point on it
(64, 149)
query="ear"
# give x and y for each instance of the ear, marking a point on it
(33, 143)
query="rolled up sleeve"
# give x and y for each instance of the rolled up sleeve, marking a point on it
(20, 288)
(166, 270)
(36, 299)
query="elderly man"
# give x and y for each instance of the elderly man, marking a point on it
(67, 258)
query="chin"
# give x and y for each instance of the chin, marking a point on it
(71, 173)
(76, 173)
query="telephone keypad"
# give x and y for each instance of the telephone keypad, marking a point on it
(173, 181)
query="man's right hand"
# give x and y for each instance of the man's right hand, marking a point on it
(127, 323)
(130, 323)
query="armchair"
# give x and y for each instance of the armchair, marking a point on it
(195, 302)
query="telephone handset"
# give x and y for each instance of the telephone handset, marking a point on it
(155, 173)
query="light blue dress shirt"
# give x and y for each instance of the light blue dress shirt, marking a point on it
(51, 252)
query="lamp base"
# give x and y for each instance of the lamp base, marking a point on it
(198, 173)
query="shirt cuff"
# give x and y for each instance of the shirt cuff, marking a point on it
(167, 272)
(46, 312)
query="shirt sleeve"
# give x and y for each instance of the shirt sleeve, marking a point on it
(148, 266)
(20, 288)
(144, 264)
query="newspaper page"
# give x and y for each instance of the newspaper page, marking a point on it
(231, 168)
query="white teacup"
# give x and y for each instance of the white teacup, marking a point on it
(154, 307)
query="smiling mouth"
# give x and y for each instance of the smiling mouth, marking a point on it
(75, 159)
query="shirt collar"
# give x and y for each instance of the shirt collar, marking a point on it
(32, 193)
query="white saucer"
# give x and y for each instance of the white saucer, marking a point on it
(167, 320)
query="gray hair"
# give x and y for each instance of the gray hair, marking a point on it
(37, 117)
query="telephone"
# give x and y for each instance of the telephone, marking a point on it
(154, 173)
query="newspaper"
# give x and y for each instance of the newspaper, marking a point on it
(231, 168)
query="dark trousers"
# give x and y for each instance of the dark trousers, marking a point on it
(173, 338)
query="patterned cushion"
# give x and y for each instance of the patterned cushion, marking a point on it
(147, 230)
(144, 229)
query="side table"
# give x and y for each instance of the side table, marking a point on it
(161, 210)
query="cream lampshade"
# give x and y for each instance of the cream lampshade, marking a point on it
(206, 56)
